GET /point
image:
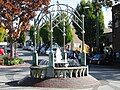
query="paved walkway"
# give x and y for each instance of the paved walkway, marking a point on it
(15, 73)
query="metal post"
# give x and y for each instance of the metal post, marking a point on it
(51, 55)
(51, 30)
(97, 24)
(35, 54)
(83, 58)
(35, 33)
(97, 30)
(64, 34)
(83, 33)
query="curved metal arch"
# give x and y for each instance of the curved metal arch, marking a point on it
(45, 16)
(49, 15)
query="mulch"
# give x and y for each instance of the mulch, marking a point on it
(80, 82)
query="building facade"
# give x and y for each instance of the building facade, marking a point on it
(116, 27)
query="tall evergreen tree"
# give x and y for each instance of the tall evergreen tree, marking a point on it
(58, 31)
(90, 20)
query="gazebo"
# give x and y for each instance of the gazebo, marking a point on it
(50, 70)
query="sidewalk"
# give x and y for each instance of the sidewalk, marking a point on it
(11, 75)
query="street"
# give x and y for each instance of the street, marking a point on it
(109, 76)
(27, 56)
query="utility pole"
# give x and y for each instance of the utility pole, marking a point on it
(97, 23)
(97, 28)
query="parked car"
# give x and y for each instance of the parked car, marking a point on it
(29, 48)
(97, 58)
(42, 49)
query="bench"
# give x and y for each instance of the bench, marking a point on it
(71, 71)
(38, 71)
(44, 71)
(62, 63)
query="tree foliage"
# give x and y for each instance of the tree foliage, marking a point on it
(32, 35)
(31, 32)
(59, 29)
(20, 11)
(15, 15)
(45, 33)
(22, 37)
(3, 33)
(106, 3)
(90, 20)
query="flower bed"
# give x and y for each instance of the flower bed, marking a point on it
(11, 61)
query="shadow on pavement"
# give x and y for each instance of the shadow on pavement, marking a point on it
(12, 83)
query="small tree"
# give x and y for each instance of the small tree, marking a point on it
(15, 15)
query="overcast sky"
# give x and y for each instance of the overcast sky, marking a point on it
(72, 3)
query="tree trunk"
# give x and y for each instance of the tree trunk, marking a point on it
(12, 50)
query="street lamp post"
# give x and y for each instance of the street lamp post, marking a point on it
(83, 56)
(83, 33)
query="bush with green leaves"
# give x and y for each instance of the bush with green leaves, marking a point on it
(12, 61)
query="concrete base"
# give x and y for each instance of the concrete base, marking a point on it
(50, 72)
(42, 71)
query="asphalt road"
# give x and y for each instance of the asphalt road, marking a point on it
(28, 55)
(109, 76)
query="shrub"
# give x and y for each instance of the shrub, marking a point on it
(12, 61)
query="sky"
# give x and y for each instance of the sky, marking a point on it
(73, 3)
